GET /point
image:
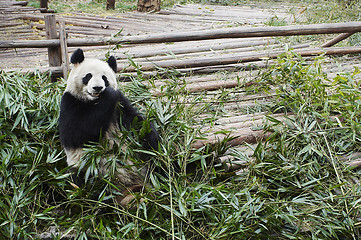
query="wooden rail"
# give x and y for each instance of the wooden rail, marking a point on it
(239, 32)
(346, 30)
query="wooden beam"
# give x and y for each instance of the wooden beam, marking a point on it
(175, 49)
(30, 43)
(223, 61)
(242, 32)
(15, 3)
(239, 137)
(239, 32)
(337, 39)
(235, 58)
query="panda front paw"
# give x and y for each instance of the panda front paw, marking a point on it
(109, 94)
(151, 141)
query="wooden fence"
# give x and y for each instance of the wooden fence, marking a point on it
(57, 43)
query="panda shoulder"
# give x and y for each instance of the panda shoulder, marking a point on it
(123, 100)
(68, 98)
(111, 95)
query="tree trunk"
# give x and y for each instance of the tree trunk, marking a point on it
(148, 6)
(110, 4)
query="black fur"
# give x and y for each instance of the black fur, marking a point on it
(112, 62)
(130, 115)
(87, 78)
(77, 56)
(105, 79)
(82, 122)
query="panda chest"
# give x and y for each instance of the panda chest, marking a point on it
(106, 124)
(113, 135)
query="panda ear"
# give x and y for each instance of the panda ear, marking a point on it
(77, 57)
(112, 62)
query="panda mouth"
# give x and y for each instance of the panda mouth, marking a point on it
(94, 94)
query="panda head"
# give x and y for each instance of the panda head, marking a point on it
(89, 77)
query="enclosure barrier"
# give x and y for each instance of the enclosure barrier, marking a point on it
(57, 44)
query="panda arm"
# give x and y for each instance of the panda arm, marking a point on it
(130, 115)
(81, 122)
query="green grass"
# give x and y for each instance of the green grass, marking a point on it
(295, 188)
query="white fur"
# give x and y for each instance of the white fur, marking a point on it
(97, 68)
(73, 156)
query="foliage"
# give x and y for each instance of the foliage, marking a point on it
(300, 163)
(295, 188)
(30, 173)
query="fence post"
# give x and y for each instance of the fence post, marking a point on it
(64, 50)
(54, 53)
(44, 4)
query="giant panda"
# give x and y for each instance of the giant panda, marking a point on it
(92, 109)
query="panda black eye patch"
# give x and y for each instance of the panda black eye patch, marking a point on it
(87, 78)
(105, 80)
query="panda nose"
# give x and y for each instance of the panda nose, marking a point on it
(97, 89)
